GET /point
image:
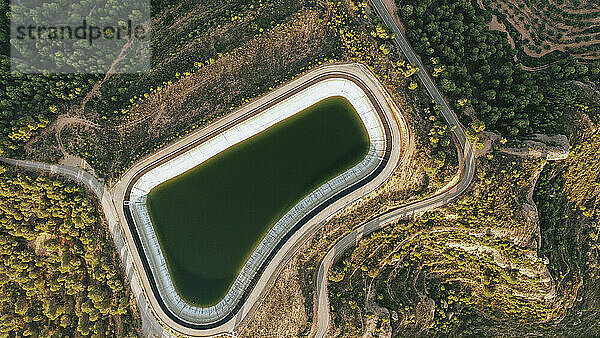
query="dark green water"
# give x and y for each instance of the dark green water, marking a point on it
(210, 219)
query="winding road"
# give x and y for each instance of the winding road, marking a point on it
(397, 140)
(467, 174)
(156, 322)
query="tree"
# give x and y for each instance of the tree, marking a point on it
(406, 11)
(50, 286)
(489, 95)
(336, 275)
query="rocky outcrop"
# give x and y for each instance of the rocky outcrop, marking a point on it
(377, 323)
(542, 146)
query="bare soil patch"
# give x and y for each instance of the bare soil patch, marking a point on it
(37, 244)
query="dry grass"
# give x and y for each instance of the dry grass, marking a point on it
(210, 92)
(282, 312)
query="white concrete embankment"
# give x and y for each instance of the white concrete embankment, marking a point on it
(236, 134)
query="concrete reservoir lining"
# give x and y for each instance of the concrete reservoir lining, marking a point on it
(226, 139)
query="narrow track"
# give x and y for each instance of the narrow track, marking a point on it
(156, 319)
(468, 169)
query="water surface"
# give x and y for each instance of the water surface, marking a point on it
(209, 219)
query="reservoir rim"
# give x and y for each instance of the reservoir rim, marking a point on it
(323, 205)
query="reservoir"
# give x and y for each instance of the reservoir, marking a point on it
(209, 219)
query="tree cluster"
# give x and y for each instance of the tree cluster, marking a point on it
(58, 272)
(475, 66)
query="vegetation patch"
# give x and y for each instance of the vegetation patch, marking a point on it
(476, 69)
(210, 89)
(470, 267)
(60, 274)
(567, 197)
(548, 26)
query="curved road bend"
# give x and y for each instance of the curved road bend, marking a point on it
(466, 177)
(399, 132)
(154, 321)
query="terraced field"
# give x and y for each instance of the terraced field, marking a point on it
(554, 25)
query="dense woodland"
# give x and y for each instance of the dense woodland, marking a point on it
(476, 67)
(59, 272)
(28, 102)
